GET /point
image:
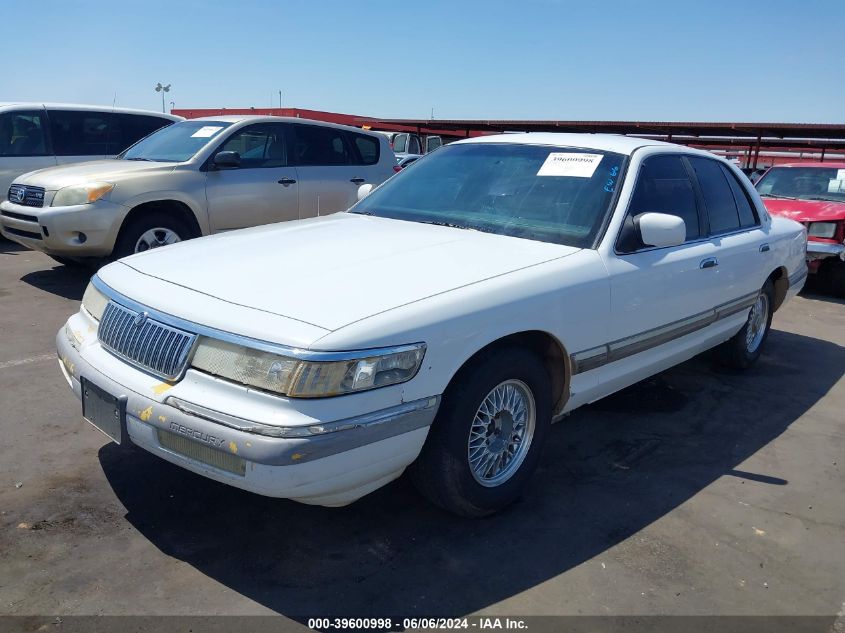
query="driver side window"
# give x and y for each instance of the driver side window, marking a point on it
(663, 186)
(259, 146)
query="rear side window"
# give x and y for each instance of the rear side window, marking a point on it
(747, 214)
(718, 197)
(128, 129)
(413, 145)
(663, 186)
(319, 145)
(22, 134)
(78, 133)
(368, 148)
(400, 143)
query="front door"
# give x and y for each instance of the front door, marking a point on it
(658, 295)
(264, 189)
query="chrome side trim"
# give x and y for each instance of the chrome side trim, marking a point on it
(242, 424)
(245, 341)
(798, 276)
(596, 357)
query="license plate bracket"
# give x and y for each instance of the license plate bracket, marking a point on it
(105, 412)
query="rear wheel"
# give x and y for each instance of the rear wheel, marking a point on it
(743, 350)
(837, 279)
(488, 435)
(149, 231)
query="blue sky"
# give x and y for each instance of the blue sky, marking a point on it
(719, 60)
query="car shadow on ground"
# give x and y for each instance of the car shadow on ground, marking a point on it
(8, 247)
(608, 470)
(64, 281)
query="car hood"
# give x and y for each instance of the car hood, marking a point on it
(806, 210)
(53, 178)
(333, 271)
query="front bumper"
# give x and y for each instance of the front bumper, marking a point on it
(87, 230)
(330, 469)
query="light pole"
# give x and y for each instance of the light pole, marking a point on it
(280, 99)
(162, 90)
(172, 105)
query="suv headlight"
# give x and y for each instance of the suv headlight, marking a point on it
(822, 229)
(81, 194)
(94, 302)
(356, 371)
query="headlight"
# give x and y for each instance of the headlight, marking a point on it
(822, 229)
(81, 194)
(296, 378)
(94, 302)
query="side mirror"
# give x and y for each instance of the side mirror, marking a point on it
(227, 160)
(364, 190)
(661, 229)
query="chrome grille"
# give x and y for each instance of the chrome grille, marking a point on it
(160, 349)
(26, 195)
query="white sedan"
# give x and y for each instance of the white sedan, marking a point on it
(441, 324)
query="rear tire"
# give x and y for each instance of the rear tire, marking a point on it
(488, 435)
(743, 350)
(148, 231)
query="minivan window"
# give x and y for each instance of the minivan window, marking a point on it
(368, 148)
(663, 186)
(414, 145)
(548, 194)
(718, 197)
(320, 145)
(176, 143)
(22, 134)
(261, 145)
(79, 133)
(127, 129)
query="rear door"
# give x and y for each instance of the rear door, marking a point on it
(24, 145)
(735, 232)
(329, 166)
(264, 189)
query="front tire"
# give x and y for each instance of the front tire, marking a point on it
(743, 350)
(488, 435)
(148, 231)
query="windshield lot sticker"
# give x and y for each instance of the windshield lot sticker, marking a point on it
(840, 174)
(836, 186)
(575, 165)
(206, 131)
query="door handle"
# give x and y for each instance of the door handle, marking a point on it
(710, 262)
(357, 181)
(287, 181)
(764, 248)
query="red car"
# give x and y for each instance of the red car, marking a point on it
(813, 194)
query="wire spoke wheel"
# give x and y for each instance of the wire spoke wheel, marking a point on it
(501, 433)
(757, 320)
(154, 238)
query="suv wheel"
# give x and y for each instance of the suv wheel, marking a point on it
(148, 231)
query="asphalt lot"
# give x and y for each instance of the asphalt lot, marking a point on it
(696, 492)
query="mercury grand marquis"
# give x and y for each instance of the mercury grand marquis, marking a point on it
(440, 325)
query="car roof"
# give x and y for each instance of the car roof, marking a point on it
(259, 118)
(604, 142)
(81, 107)
(828, 164)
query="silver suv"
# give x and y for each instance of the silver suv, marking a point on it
(194, 178)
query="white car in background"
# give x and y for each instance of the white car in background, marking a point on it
(440, 324)
(38, 135)
(194, 178)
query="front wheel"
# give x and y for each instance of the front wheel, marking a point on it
(743, 350)
(148, 231)
(488, 435)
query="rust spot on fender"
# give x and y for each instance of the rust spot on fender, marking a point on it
(161, 387)
(233, 447)
(146, 414)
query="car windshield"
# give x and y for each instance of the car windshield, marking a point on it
(175, 143)
(809, 183)
(549, 194)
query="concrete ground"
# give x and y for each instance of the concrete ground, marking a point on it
(696, 492)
